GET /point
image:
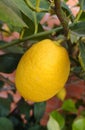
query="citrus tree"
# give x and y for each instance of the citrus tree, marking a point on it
(44, 58)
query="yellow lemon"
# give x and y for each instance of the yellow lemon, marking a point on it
(61, 94)
(42, 71)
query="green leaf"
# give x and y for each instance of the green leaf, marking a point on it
(82, 16)
(82, 4)
(79, 124)
(83, 113)
(4, 106)
(67, 10)
(14, 49)
(24, 108)
(8, 62)
(78, 28)
(17, 121)
(10, 18)
(59, 118)
(22, 6)
(82, 54)
(5, 124)
(53, 124)
(39, 109)
(31, 27)
(73, 37)
(69, 105)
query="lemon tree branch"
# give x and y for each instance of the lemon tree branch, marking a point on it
(62, 17)
(6, 80)
(64, 22)
(30, 37)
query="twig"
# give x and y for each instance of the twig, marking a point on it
(30, 37)
(31, 6)
(64, 22)
(62, 17)
(6, 80)
(6, 89)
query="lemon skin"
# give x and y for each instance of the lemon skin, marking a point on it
(42, 71)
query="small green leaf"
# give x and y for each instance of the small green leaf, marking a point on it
(59, 118)
(5, 124)
(53, 124)
(82, 54)
(73, 37)
(79, 124)
(8, 62)
(4, 106)
(78, 28)
(69, 105)
(82, 4)
(39, 109)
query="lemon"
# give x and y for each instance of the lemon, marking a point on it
(42, 71)
(61, 94)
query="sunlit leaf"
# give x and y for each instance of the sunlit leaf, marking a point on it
(59, 118)
(79, 124)
(53, 124)
(69, 105)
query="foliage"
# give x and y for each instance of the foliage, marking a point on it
(24, 16)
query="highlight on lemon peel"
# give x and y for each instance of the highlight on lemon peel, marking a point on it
(61, 94)
(42, 71)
